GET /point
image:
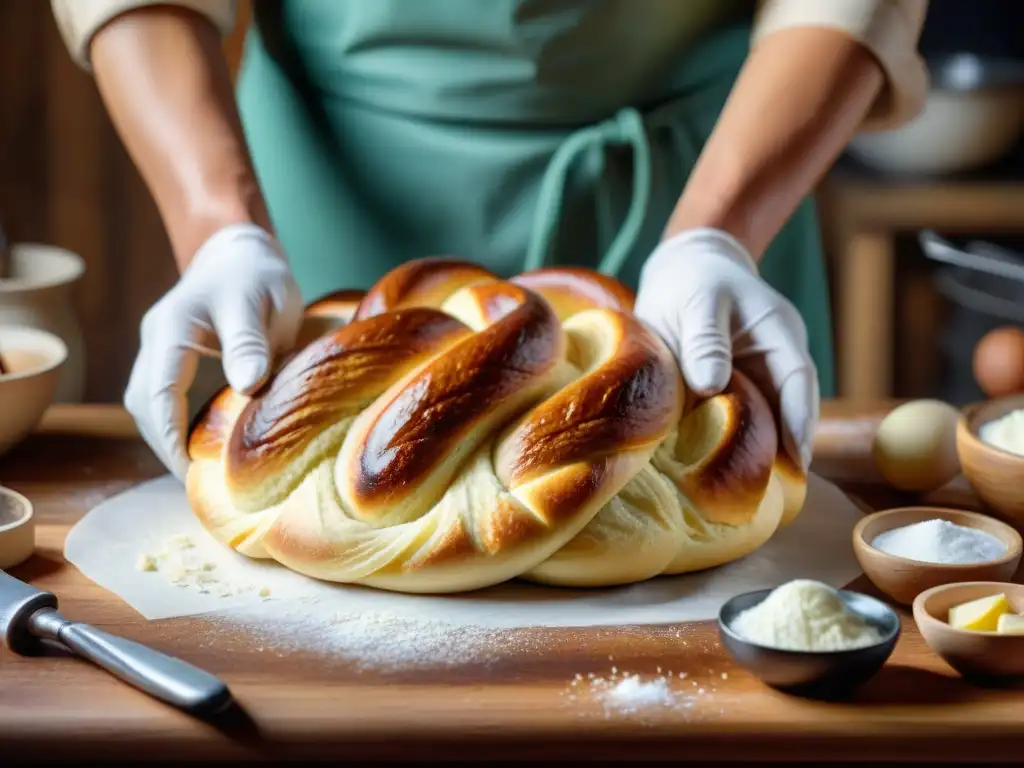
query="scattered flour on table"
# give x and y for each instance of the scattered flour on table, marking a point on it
(281, 624)
(375, 640)
(632, 693)
(288, 624)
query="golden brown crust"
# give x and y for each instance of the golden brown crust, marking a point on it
(214, 423)
(337, 305)
(630, 399)
(421, 283)
(327, 314)
(793, 481)
(335, 377)
(573, 289)
(728, 444)
(448, 430)
(511, 525)
(455, 394)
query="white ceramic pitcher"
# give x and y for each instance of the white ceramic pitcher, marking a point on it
(39, 293)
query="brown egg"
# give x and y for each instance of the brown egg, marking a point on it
(999, 362)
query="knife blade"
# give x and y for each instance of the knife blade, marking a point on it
(29, 615)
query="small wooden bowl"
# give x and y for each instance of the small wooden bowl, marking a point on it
(994, 474)
(984, 657)
(904, 579)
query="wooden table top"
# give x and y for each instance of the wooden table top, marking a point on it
(305, 707)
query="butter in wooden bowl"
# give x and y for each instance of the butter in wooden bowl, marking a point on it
(808, 638)
(992, 613)
(975, 627)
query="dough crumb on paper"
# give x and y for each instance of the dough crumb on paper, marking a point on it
(180, 564)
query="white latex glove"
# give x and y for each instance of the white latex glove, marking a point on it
(701, 291)
(237, 295)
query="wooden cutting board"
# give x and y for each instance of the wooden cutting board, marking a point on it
(521, 703)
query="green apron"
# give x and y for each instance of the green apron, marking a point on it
(515, 133)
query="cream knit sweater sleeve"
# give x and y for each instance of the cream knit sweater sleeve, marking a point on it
(79, 20)
(890, 29)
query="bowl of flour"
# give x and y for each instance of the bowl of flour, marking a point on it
(807, 638)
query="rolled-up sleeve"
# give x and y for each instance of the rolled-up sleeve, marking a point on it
(79, 20)
(889, 29)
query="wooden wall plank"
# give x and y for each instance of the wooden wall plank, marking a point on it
(66, 179)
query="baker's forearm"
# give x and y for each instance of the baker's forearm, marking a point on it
(165, 82)
(800, 98)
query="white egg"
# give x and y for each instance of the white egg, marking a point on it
(915, 446)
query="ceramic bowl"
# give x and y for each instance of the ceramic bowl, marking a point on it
(972, 115)
(823, 674)
(17, 529)
(33, 360)
(994, 474)
(903, 579)
(984, 657)
(40, 293)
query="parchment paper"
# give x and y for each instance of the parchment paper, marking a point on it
(107, 543)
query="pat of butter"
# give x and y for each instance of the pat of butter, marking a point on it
(981, 614)
(1010, 624)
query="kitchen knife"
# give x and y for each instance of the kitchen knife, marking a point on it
(29, 615)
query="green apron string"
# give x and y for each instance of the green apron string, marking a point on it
(627, 127)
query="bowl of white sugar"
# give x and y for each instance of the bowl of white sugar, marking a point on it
(908, 550)
(805, 637)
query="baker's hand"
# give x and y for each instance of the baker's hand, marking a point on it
(237, 295)
(700, 290)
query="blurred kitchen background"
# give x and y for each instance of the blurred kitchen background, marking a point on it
(907, 319)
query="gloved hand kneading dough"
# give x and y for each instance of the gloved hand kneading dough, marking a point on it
(238, 295)
(455, 431)
(700, 290)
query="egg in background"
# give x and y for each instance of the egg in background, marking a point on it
(914, 447)
(998, 362)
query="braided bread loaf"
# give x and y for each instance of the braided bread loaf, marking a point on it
(448, 430)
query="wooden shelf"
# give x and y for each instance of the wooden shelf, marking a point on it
(863, 213)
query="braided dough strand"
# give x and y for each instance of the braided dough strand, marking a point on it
(452, 430)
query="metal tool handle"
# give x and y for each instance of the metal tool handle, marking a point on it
(164, 677)
(978, 257)
(978, 261)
